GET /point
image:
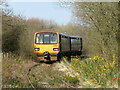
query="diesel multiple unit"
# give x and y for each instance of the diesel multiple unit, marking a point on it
(50, 45)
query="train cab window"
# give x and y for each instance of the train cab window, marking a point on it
(39, 38)
(53, 38)
(46, 38)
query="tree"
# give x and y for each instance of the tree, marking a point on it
(102, 20)
(12, 26)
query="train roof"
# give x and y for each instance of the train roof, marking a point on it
(68, 35)
(73, 36)
(47, 31)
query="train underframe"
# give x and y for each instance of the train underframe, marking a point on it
(53, 57)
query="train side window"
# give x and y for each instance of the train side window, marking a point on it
(63, 36)
(74, 41)
(78, 41)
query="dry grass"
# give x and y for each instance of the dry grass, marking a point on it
(56, 75)
(14, 68)
(43, 76)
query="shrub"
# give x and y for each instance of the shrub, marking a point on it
(101, 71)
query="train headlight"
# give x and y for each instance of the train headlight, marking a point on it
(55, 49)
(36, 49)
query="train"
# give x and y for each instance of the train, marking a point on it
(52, 45)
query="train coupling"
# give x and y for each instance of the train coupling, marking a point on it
(47, 55)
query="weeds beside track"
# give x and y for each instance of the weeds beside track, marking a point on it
(22, 73)
(28, 74)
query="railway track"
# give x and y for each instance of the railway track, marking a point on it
(27, 74)
(33, 66)
(37, 64)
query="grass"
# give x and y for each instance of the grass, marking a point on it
(54, 81)
(13, 71)
(44, 75)
(71, 80)
(86, 73)
(98, 70)
(14, 83)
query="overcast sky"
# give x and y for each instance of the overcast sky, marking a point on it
(42, 10)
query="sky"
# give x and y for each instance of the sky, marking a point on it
(42, 10)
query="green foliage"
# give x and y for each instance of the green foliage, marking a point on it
(11, 30)
(26, 41)
(14, 83)
(97, 23)
(72, 80)
(13, 75)
(18, 33)
(99, 70)
(55, 80)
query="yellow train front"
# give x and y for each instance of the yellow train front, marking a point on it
(50, 45)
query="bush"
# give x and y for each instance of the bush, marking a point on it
(26, 41)
(101, 71)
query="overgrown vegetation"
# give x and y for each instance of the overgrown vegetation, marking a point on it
(98, 70)
(43, 76)
(18, 32)
(14, 71)
(96, 22)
